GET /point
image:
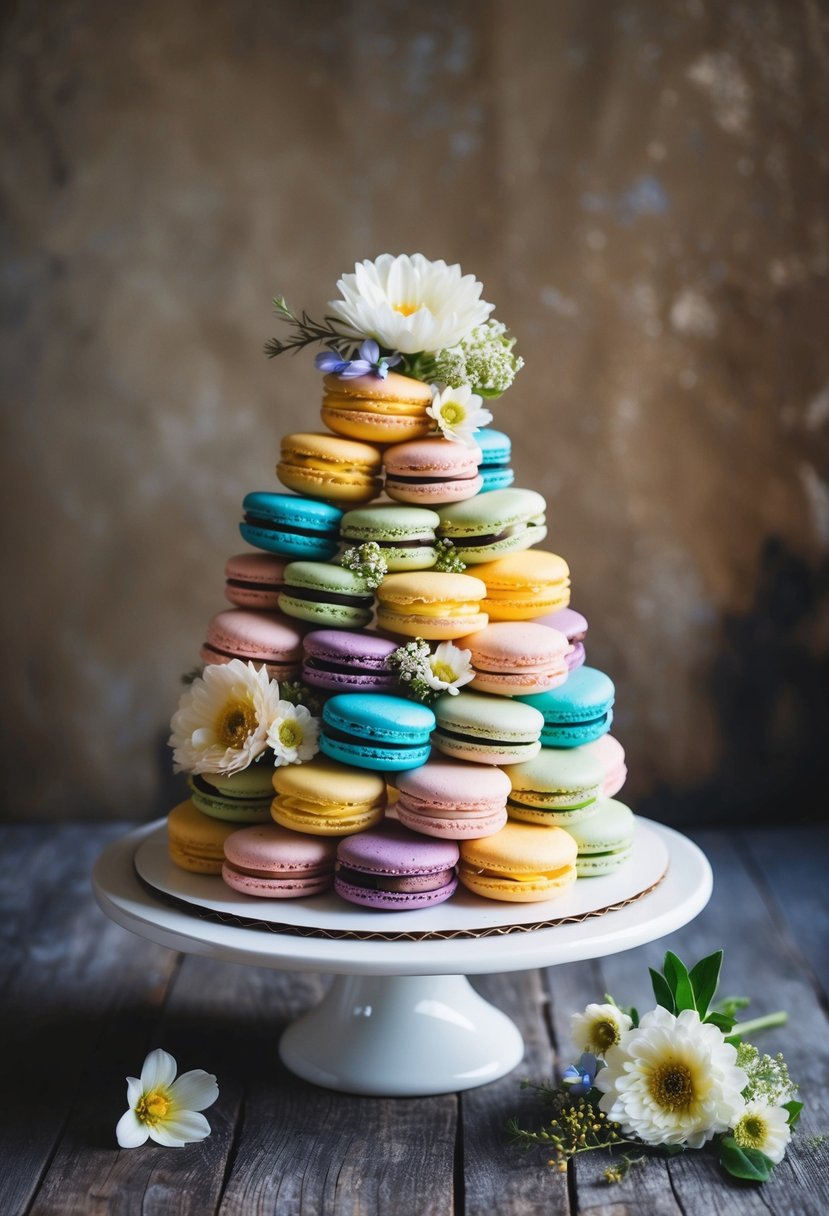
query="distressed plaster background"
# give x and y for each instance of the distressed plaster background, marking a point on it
(642, 187)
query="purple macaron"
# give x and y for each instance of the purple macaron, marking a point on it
(574, 627)
(339, 661)
(395, 870)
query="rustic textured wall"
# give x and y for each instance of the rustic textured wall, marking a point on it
(642, 187)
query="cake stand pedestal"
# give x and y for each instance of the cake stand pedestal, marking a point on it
(400, 1018)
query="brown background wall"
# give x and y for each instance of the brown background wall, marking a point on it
(642, 187)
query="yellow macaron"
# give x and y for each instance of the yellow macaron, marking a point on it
(431, 604)
(325, 798)
(523, 863)
(328, 467)
(522, 586)
(196, 841)
(377, 410)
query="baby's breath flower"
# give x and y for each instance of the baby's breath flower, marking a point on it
(483, 360)
(768, 1076)
(297, 693)
(448, 559)
(412, 664)
(367, 561)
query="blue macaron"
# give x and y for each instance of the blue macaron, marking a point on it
(290, 525)
(578, 711)
(372, 730)
(495, 465)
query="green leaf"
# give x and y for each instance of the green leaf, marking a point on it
(704, 977)
(633, 1014)
(748, 1163)
(662, 991)
(676, 973)
(794, 1109)
(721, 1021)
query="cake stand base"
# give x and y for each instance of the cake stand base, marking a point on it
(402, 1036)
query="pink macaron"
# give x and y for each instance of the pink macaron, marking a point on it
(452, 799)
(517, 658)
(427, 471)
(273, 863)
(254, 580)
(610, 753)
(257, 637)
(574, 627)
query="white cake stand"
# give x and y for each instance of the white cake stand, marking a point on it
(401, 1018)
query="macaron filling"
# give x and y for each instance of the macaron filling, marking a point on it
(197, 783)
(273, 525)
(288, 666)
(397, 883)
(475, 540)
(318, 595)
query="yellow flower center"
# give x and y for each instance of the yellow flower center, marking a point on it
(672, 1086)
(604, 1034)
(236, 722)
(290, 734)
(750, 1132)
(405, 310)
(452, 412)
(443, 671)
(153, 1107)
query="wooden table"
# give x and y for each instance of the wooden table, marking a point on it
(84, 1000)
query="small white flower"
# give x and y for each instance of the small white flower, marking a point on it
(449, 668)
(765, 1128)
(293, 734)
(458, 413)
(599, 1028)
(410, 304)
(672, 1080)
(221, 724)
(164, 1109)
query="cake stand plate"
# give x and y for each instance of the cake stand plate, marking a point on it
(400, 1018)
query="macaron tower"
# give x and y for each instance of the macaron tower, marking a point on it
(396, 560)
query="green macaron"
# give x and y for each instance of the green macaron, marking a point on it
(492, 525)
(558, 787)
(605, 840)
(326, 595)
(406, 535)
(243, 797)
(485, 729)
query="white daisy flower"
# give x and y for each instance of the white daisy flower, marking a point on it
(293, 734)
(449, 668)
(410, 304)
(458, 413)
(164, 1109)
(599, 1028)
(765, 1128)
(221, 724)
(672, 1080)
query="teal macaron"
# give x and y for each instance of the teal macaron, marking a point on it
(496, 453)
(492, 525)
(578, 711)
(406, 535)
(376, 731)
(326, 595)
(558, 787)
(290, 525)
(486, 729)
(243, 797)
(605, 840)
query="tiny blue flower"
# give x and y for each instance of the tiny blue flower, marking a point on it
(578, 1078)
(369, 362)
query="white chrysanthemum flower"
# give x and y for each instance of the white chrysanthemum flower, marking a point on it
(672, 1080)
(164, 1109)
(293, 734)
(449, 668)
(598, 1029)
(410, 304)
(458, 413)
(221, 724)
(765, 1128)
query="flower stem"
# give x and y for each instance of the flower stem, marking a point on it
(769, 1019)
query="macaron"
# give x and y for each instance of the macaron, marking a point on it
(574, 627)
(337, 660)
(605, 840)
(254, 580)
(376, 731)
(431, 471)
(328, 467)
(326, 798)
(523, 586)
(272, 863)
(256, 637)
(557, 787)
(294, 527)
(431, 604)
(196, 841)
(406, 535)
(487, 730)
(611, 755)
(512, 657)
(394, 870)
(243, 797)
(580, 711)
(379, 410)
(453, 800)
(326, 595)
(496, 453)
(492, 525)
(520, 864)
